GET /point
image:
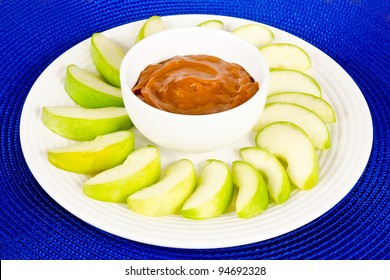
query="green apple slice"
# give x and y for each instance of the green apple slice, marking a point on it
(252, 197)
(92, 157)
(89, 91)
(214, 192)
(309, 121)
(83, 124)
(318, 105)
(152, 25)
(287, 80)
(214, 24)
(107, 56)
(272, 170)
(256, 34)
(168, 195)
(286, 56)
(291, 144)
(232, 205)
(140, 169)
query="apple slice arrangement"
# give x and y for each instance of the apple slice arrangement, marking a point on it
(290, 132)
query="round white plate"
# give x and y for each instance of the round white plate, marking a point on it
(341, 165)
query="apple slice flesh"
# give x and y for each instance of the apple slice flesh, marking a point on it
(152, 25)
(89, 91)
(278, 182)
(104, 152)
(287, 80)
(107, 56)
(214, 24)
(291, 144)
(252, 197)
(318, 105)
(256, 34)
(213, 194)
(84, 124)
(140, 169)
(306, 119)
(168, 195)
(286, 56)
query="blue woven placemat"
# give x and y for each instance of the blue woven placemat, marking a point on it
(34, 33)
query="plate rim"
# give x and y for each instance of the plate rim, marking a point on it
(205, 245)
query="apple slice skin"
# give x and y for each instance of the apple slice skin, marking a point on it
(306, 119)
(283, 139)
(232, 205)
(107, 57)
(88, 127)
(89, 91)
(252, 197)
(309, 101)
(160, 199)
(218, 202)
(127, 178)
(278, 182)
(90, 158)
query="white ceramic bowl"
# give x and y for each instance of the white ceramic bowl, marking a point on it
(193, 133)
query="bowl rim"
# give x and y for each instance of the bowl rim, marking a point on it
(263, 85)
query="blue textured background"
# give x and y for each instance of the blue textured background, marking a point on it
(33, 33)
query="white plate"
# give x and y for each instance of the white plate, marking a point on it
(341, 165)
